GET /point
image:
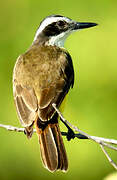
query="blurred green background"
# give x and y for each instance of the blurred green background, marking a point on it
(92, 104)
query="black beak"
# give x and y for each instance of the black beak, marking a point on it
(82, 25)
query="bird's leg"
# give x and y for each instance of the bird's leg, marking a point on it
(70, 134)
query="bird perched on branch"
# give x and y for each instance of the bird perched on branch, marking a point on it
(42, 76)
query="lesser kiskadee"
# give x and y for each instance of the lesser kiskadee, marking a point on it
(42, 76)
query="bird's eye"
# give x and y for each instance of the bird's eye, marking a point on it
(60, 23)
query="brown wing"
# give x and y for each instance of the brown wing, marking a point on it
(41, 93)
(26, 104)
(56, 92)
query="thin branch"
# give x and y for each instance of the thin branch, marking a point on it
(94, 138)
(103, 142)
(110, 141)
(13, 128)
(108, 157)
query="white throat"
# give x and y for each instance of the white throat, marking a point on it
(58, 40)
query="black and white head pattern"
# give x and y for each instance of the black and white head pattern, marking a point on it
(56, 28)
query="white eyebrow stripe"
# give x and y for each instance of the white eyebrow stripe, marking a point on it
(47, 21)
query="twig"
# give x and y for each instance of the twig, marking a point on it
(13, 128)
(108, 157)
(101, 141)
(94, 138)
(80, 135)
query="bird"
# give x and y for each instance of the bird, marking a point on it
(43, 76)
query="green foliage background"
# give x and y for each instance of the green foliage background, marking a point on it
(92, 104)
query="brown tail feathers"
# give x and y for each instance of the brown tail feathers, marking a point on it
(52, 149)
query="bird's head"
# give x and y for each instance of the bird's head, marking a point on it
(54, 29)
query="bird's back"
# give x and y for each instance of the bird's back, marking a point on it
(40, 67)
